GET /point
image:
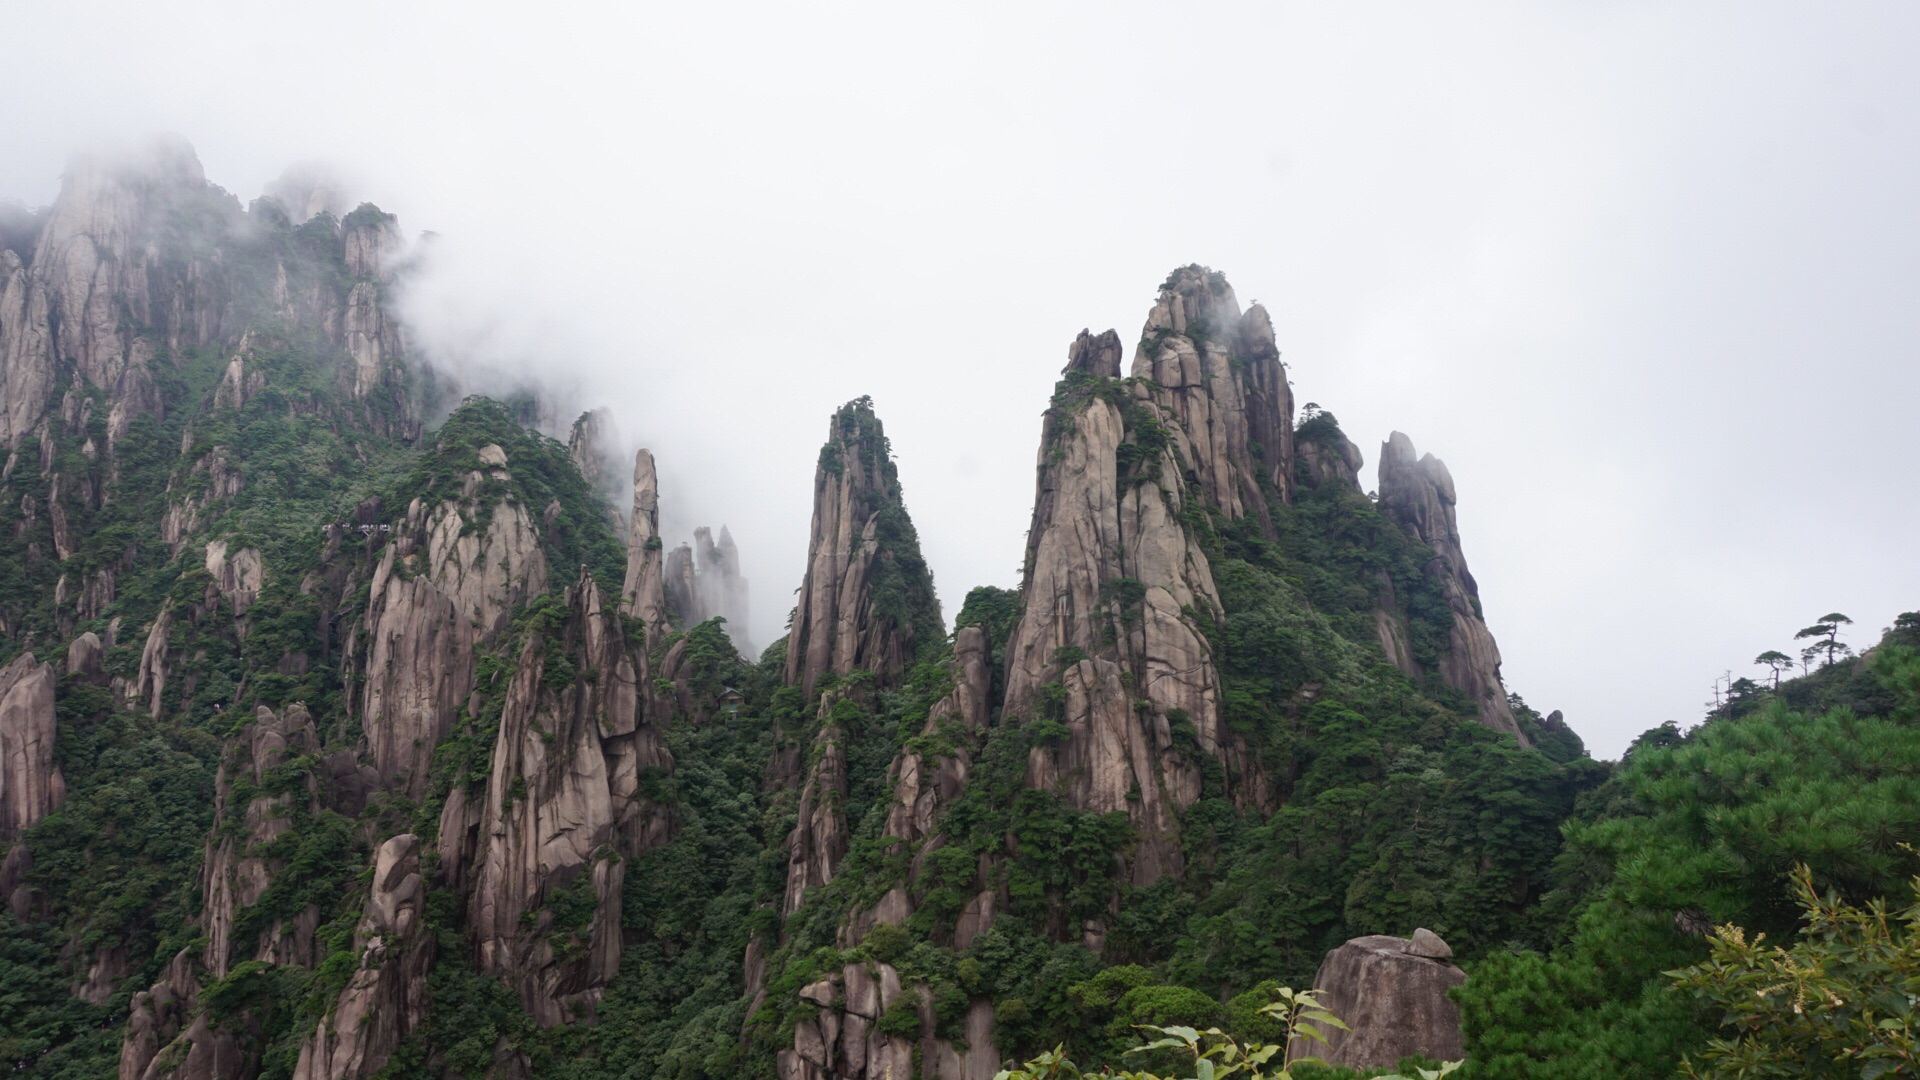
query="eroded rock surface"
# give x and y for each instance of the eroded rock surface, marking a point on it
(169, 1038)
(1417, 492)
(1392, 994)
(1217, 376)
(386, 996)
(31, 786)
(842, 1040)
(562, 811)
(1108, 645)
(439, 590)
(867, 599)
(236, 872)
(100, 272)
(819, 839)
(643, 595)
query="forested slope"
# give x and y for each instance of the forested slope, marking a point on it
(350, 731)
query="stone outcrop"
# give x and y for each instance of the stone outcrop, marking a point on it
(237, 575)
(1392, 994)
(1109, 645)
(133, 262)
(386, 996)
(819, 839)
(704, 582)
(440, 589)
(1418, 494)
(31, 786)
(169, 1038)
(643, 595)
(562, 810)
(588, 444)
(103, 289)
(1327, 458)
(867, 600)
(86, 658)
(1217, 377)
(370, 240)
(925, 782)
(150, 682)
(842, 1039)
(236, 872)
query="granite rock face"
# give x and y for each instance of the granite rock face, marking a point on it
(1418, 494)
(1216, 375)
(704, 582)
(643, 595)
(867, 600)
(100, 272)
(1109, 644)
(1392, 994)
(1327, 457)
(236, 872)
(561, 812)
(842, 1041)
(440, 589)
(169, 1038)
(31, 786)
(819, 839)
(386, 997)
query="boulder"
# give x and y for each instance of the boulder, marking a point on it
(1392, 994)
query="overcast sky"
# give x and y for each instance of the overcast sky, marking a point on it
(1645, 275)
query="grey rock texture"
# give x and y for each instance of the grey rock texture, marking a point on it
(1217, 375)
(1108, 645)
(867, 600)
(31, 786)
(168, 1038)
(562, 810)
(842, 1040)
(99, 273)
(86, 657)
(1394, 1000)
(819, 838)
(235, 873)
(439, 590)
(386, 996)
(704, 582)
(1418, 493)
(1328, 458)
(237, 575)
(643, 595)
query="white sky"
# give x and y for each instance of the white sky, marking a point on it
(1646, 275)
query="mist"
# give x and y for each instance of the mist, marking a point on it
(1643, 275)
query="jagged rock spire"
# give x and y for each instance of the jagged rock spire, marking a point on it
(97, 274)
(643, 595)
(867, 601)
(1219, 376)
(1417, 492)
(31, 786)
(1108, 644)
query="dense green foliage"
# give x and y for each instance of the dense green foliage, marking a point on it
(1699, 829)
(1840, 1001)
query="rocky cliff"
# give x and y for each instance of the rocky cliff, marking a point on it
(1216, 373)
(1118, 596)
(393, 755)
(562, 810)
(867, 600)
(30, 782)
(1417, 492)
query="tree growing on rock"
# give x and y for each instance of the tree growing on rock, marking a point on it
(1777, 662)
(1827, 627)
